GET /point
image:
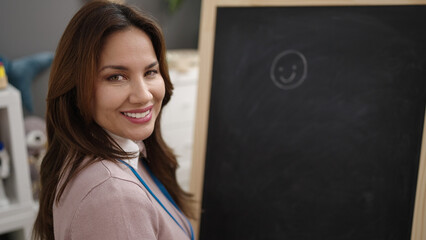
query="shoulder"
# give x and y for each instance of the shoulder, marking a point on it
(115, 209)
(96, 174)
(115, 178)
(104, 194)
(99, 175)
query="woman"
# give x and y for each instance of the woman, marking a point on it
(107, 173)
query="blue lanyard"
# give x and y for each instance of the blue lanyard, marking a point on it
(164, 191)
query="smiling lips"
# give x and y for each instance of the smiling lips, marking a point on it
(138, 116)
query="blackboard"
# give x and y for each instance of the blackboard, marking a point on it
(315, 123)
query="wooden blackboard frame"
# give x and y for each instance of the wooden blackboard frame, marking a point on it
(206, 50)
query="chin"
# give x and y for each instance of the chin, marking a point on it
(138, 137)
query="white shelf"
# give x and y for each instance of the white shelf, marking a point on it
(20, 213)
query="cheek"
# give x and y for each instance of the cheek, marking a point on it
(159, 92)
(103, 102)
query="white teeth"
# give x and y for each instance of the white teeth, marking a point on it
(137, 115)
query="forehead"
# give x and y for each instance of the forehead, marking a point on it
(129, 43)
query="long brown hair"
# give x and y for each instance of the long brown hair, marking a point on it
(73, 135)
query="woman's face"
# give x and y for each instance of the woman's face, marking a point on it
(129, 88)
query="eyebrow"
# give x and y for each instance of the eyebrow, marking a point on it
(119, 67)
(151, 65)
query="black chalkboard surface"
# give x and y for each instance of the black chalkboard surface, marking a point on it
(315, 123)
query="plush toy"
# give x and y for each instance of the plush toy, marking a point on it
(4, 173)
(36, 140)
(22, 71)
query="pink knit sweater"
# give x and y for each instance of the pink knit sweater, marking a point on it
(106, 201)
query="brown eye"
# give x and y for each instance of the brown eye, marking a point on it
(151, 73)
(116, 77)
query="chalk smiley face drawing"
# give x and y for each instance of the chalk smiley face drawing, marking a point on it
(289, 69)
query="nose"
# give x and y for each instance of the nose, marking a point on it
(139, 92)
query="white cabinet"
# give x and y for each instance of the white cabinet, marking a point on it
(16, 218)
(177, 122)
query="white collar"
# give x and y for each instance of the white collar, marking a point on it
(130, 146)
